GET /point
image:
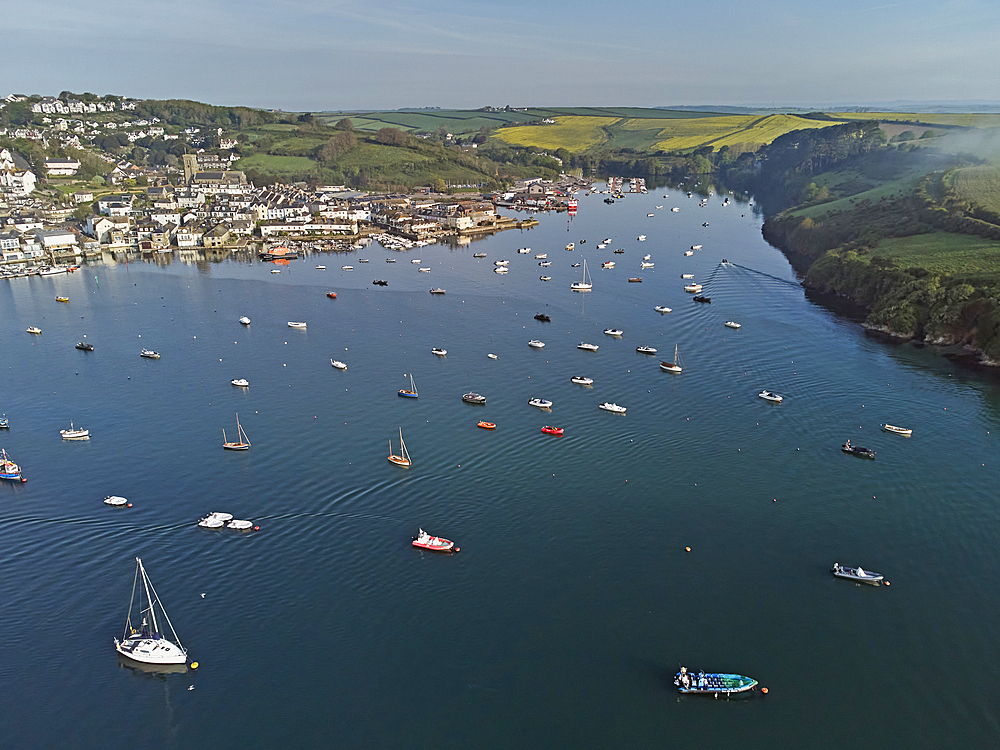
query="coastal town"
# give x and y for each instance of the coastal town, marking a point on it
(51, 218)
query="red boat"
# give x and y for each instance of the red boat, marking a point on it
(434, 543)
(552, 430)
(487, 425)
(331, 295)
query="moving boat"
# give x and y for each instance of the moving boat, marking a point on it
(712, 682)
(549, 430)
(769, 396)
(857, 574)
(404, 458)
(674, 366)
(143, 642)
(613, 332)
(545, 278)
(74, 434)
(486, 425)
(474, 398)
(857, 450)
(588, 347)
(85, 347)
(4, 423)
(241, 443)
(540, 403)
(897, 430)
(337, 364)
(608, 406)
(536, 344)
(731, 324)
(62, 299)
(662, 309)
(543, 317)
(704, 300)
(581, 380)
(583, 286)
(33, 329)
(439, 352)
(9, 469)
(115, 501)
(240, 382)
(410, 392)
(433, 543)
(437, 290)
(245, 320)
(645, 350)
(296, 324)
(331, 295)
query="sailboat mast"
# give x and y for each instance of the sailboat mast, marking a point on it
(145, 584)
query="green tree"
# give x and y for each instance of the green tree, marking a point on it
(391, 137)
(438, 185)
(344, 124)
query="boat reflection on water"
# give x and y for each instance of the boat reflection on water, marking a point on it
(153, 669)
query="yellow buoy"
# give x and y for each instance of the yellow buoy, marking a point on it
(194, 665)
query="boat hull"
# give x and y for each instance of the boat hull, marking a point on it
(714, 683)
(155, 651)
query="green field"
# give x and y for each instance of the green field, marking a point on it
(958, 255)
(979, 184)
(278, 165)
(960, 120)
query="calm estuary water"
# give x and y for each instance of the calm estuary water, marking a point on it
(573, 600)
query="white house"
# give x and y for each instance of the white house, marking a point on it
(61, 167)
(15, 177)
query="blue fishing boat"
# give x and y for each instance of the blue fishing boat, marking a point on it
(410, 392)
(712, 682)
(9, 469)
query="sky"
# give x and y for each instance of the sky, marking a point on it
(332, 55)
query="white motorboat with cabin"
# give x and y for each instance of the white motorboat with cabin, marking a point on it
(693, 288)
(439, 352)
(540, 403)
(612, 407)
(536, 344)
(771, 396)
(74, 434)
(337, 364)
(613, 332)
(115, 501)
(581, 380)
(245, 320)
(143, 641)
(149, 354)
(240, 382)
(662, 309)
(733, 324)
(588, 347)
(645, 350)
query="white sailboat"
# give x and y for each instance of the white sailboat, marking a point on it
(587, 284)
(404, 458)
(674, 366)
(144, 642)
(241, 443)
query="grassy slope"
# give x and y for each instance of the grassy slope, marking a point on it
(278, 165)
(958, 255)
(963, 120)
(980, 184)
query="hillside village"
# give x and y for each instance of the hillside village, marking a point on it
(49, 215)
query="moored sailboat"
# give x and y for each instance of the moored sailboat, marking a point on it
(404, 458)
(144, 642)
(674, 366)
(583, 286)
(241, 443)
(410, 392)
(9, 469)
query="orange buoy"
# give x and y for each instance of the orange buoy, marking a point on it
(687, 549)
(764, 691)
(886, 583)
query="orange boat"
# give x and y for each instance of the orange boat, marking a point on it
(487, 425)
(331, 295)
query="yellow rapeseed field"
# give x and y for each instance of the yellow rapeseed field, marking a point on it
(747, 130)
(572, 133)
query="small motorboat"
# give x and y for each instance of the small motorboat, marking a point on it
(363, 260)
(540, 403)
(433, 543)
(474, 398)
(771, 396)
(570, 246)
(424, 269)
(536, 344)
(703, 300)
(34, 329)
(115, 501)
(897, 430)
(687, 275)
(635, 280)
(62, 299)
(662, 309)
(608, 264)
(548, 430)
(857, 450)
(240, 382)
(693, 288)
(619, 251)
(646, 264)
(74, 434)
(381, 282)
(331, 295)
(613, 332)
(545, 263)
(492, 356)
(581, 380)
(215, 520)
(85, 347)
(439, 352)
(149, 354)
(501, 263)
(437, 290)
(347, 268)
(416, 261)
(486, 425)
(483, 255)
(645, 350)
(647, 256)
(390, 260)
(675, 209)
(545, 278)
(857, 574)
(320, 268)
(588, 347)
(245, 320)
(608, 406)
(297, 324)
(715, 683)
(705, 224)
(337, 364)
(520, 251)
(240, 525)
(275, 270)
(501, 270)
(575, 265)
(543, 317)
(731, 324)
(4, 423)
(541, 256)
